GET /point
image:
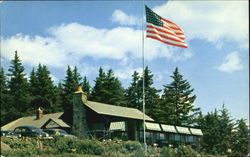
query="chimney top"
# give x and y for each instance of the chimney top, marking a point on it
(79, 90)
(39, 113)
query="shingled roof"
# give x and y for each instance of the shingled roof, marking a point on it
(117, 111)
(33, 121)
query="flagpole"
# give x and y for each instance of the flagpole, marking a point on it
(143, 81)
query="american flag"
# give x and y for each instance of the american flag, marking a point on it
(164, 30)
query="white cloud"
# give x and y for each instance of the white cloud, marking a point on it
(123, 19)
(231, 63)
(34, 50)
(210, 20)
(127, 72)
(69, 43)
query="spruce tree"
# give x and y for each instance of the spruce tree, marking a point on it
(70, 85)
(18, 89)
(151, 96)
(177, 102)
(4, 99)
(43, 90)
(108, 89)
(217, 130)
(77, 77)
(132, 93)
(240, 140)
(98, 90)
(225, 126)
(86, 86)
(211, 132)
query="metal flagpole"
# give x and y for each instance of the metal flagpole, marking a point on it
(143, 81)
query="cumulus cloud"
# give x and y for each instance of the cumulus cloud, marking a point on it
(69, 43)
(210, 20)
(127, 72)
(231, 63)
(122, 18)
(34, 50)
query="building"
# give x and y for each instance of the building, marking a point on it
(104, 121)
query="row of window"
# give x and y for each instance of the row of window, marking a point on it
(168, 138)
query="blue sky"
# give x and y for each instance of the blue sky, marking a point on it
(90, 34)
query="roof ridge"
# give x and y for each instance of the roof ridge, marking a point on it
(112, 105)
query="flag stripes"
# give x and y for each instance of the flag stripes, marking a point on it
(163, 30)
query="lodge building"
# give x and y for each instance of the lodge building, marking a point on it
(103, 121)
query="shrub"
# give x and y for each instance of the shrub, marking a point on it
(114, 154)
(64, 145)
(167, 152)
(89, 147)
(185, 151)
(153, 151)
(133, 146)
(20, 147)
(115, 147)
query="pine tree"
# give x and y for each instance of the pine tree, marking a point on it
(86, 86)
(132, 93)
(177, 102)
(209, 125)
(108, 89)
(98, 90)
(151, 96)
(18, 89)
(217, 128)
(4, 99)
(226, 126)
(59, 95)
(77, 77)
(240, 140)
(70, 85)
(43, 90)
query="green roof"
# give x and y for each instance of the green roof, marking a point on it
(32, 121)
(117, 111)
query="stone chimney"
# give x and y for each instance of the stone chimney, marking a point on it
(39, 113)
(80, 125)
(83, 94)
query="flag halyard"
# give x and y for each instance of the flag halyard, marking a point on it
(163, 30)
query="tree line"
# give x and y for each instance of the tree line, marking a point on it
(22, 95)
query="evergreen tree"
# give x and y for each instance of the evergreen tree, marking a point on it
(98, 90)
(70, 85)
(108, 89)
(217, 132)
(4, 99)
(43, 90)
(132, 93)
(18, 89)
(77, 77)
(209, 126)
(241, 138)
(86, 86)
(151, 96)
(177, 102)
(59, 95)
(225, 126)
